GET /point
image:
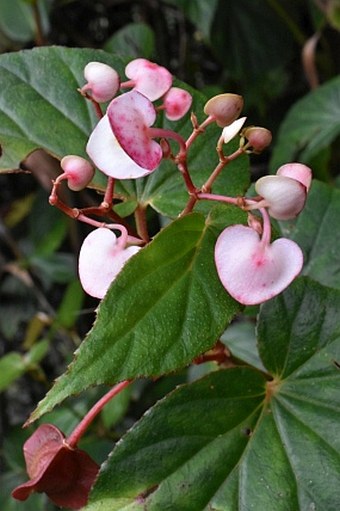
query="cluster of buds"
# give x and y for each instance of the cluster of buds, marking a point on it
(126, 144)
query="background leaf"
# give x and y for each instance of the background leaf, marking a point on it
(166, 307)
(311, 125)
(234, 441)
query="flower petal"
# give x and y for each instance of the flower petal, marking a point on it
(106, 153)
(151, 80)
(130, 115)
(285, 196)
(297, 171)
(100, 261)
(250, 272)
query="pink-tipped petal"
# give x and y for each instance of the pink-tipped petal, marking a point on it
(176, 103)
(100, 261)
(250, 272)
(108, 155)
(103, 81)
(150, 79)
(284, 196)
(297, 171)
(130, 116)
(78, 170)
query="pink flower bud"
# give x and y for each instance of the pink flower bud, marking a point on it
(101, 258)
(251, 271)
(225, 108)
(148, 78)
(79, 172)
(285, 197)
(176, 103)
(103, 81)
(259, 138)
(297, 171)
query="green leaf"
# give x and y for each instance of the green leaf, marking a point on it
(12, 366)
(166, 307)
(40, 106)
(310, 126)
(232, 440)
(134, 40)
(316, 231)
(250, 38)
(200, 12)
(17, 19)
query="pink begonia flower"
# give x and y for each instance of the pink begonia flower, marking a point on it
(103, 81)
(108, 155)
(78, 172)
(224, 108)
(229, 132)
(101, 258)
(148, 78)
(131, 116)
(285, 193)
(66, 474)
(253, 270)
(297, 171)
(176, 103)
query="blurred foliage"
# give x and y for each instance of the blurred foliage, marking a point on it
(253, 48)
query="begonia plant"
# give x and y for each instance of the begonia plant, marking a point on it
(238, 437)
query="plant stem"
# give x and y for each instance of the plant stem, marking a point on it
(79, 430)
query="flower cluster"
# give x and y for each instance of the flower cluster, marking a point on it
(126, 144)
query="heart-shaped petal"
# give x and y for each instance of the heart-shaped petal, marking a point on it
(252, 272)
(100, 261)
(108, 155)
(130, 116)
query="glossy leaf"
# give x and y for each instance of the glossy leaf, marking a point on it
(42, 84)
(311, 125)
(233, 441)
(134, 40)
(165, 307)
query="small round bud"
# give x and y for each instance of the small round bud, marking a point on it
(225, 108)
(297, 171)
(259, 138)
(79, 172)
(103, 81)
(176, 103)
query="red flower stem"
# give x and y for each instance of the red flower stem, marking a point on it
(267, 229)
(107, 201)
(221, 198)
(79, 430)
(198, 130)
(223, 162)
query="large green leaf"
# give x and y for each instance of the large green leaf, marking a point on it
(317, 232)
(41, 108)
(165, 307)
(233, 441)
(310, 126)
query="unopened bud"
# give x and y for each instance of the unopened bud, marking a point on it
(259, 138)
(176, 103)
(103, 81)
(285, 197)
(79, 171)
(225, 108)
